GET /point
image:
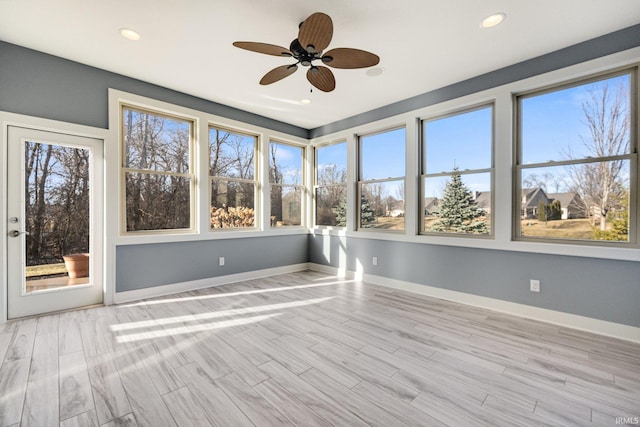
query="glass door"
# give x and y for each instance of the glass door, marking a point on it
(55, 222)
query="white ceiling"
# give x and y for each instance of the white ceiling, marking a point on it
(423, 44)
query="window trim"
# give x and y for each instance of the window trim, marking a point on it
(423, 169)
(632, 156)
(123, 171)
(316, 186)
(257, 211)
(302, 186)
(360, 182)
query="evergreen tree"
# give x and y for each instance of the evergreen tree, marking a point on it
(458, 211)
(554, 211)
(367, 216)
(542, 211)
(340, 212)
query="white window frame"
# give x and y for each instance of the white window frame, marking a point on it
(316, 186)
(125, 170)
(361, 182)
(424, 173)
(302, 186)
(631, 156)
(255, 181)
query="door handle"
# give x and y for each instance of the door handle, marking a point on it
(16, 233)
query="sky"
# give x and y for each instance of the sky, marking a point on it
(552, 123)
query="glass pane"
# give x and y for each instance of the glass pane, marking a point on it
(590, 120)
(462, 141)
(457, 204)
(382, 205)
(383, 155)
(286, 206)
(586, 201)
(232, 204)
(231, 154)
(285, 164)
(155, 142)
(57, 216)
(331, 205)
(331, 164)
(157, 202)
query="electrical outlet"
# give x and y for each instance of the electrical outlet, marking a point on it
(534, 285)
(375, 260)
(221, 260)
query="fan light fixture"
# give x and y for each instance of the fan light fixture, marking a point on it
(314, 35)
(493, 20)
(129, 34)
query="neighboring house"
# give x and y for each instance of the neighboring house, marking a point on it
(483, 200)
(430, 205)
(531, 198)
(571, 203)
(396, 210)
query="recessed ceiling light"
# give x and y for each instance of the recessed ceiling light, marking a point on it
(129, 34)
(373, 72)
(493, 20)
(305, 101)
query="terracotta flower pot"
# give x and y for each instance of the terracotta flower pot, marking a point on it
(77, 265)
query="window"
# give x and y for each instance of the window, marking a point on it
(331, 185)
(457, 173)
(232, 179)
(286, 184)
(381, 180)
(576, 160)
(157, 168)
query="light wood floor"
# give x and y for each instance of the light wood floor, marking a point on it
(305, 349)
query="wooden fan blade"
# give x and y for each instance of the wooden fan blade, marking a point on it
(268, 49)
(278, 73)
(322, 78)
(344, 57)
(316, 31)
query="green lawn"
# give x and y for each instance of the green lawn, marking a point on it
(563, 229)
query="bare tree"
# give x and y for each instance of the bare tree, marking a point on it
(606, 116)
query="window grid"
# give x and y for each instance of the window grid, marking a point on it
(227, 217)
(127, 172)
(287, 199)
(378, 214)
(337, 188)
(589, 161)
(427, 204)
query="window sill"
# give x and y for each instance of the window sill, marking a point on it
(208, 235)
(588, 251)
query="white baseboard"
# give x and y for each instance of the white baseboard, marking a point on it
(574, 321)
(157, 291)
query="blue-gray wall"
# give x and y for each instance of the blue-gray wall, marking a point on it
(601, 289)
(41, 85)
(143, 266)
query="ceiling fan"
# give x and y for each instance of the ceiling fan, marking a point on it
(314, 35)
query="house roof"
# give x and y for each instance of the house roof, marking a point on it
(565, 199)
(483, 199)
(531, 196)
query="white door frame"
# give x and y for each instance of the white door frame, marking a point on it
(108, 253)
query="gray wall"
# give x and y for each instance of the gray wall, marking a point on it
(601, 289)
(36, 84)
(143, 266)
